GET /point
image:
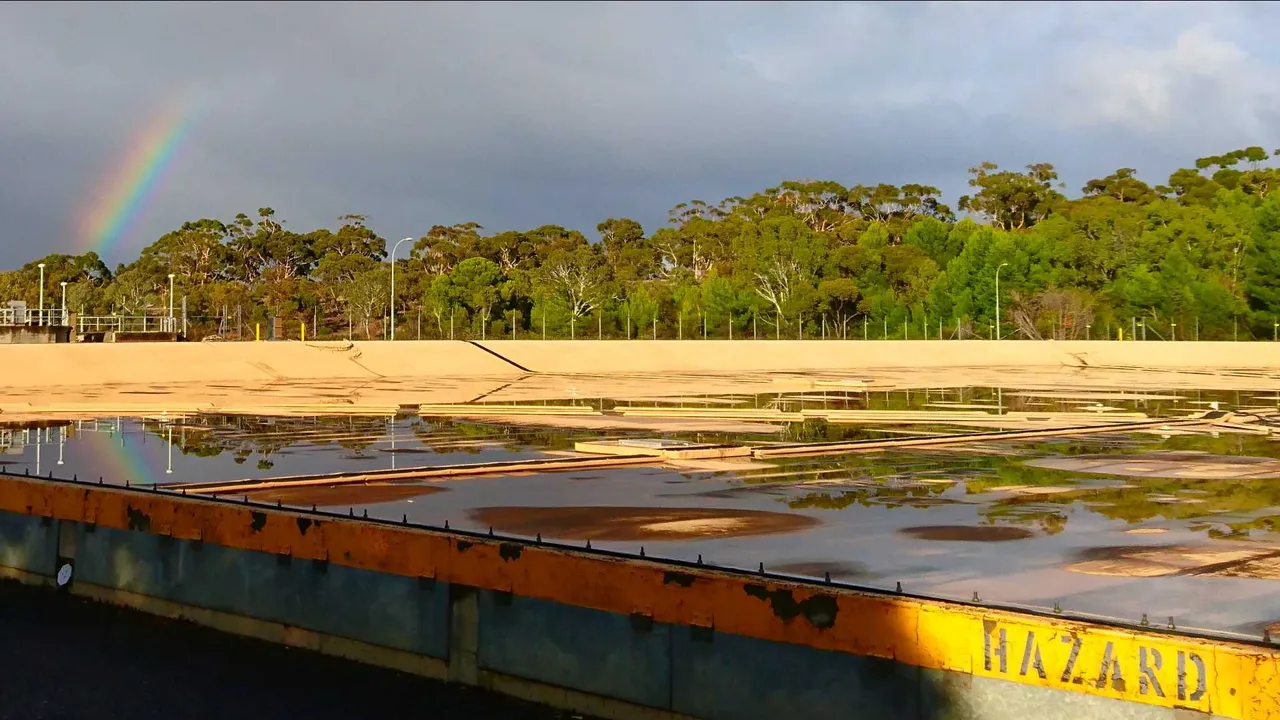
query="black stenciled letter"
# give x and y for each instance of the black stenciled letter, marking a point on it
(1031, 656)
(1147, 671)
(1075, 642)
(1001, 651)
(1110, 662)
(1196, 660)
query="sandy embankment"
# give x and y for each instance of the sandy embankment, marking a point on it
(289, 377)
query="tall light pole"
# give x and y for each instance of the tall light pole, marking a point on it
(41, 316)
(171, 323)
(64, 301)
(393, 285)
(998, 299)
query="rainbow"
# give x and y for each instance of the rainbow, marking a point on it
(112, 211)
(120, 198)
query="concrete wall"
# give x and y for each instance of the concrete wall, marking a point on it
(33, 335)
(139, 337)
(616, 665)
(603, 635)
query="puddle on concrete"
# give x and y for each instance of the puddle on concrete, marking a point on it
(622, 524)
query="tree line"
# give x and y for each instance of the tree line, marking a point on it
(1196, 257)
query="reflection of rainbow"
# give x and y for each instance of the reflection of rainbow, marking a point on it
(128, 463)
(118, 464)
(120, 198)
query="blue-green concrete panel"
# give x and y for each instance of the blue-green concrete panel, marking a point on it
(28, 543)
(587, 650)
(732, 676)
(385, 610)
(133, 561)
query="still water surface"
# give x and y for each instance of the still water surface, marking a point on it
(1165, 524)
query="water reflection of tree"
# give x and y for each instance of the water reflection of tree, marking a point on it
(452, 435)
(1137, 500)
(877, 465)
(245, 436)
(1129, 499)
(930, 399)
(914, 496)
(1016, 511)
(446, 435)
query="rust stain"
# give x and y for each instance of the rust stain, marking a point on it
(819, 610)
(671, 577)
(138, 520)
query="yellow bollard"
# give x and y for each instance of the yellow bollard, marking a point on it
(1120, 333)
(304, 332)
(257, 332)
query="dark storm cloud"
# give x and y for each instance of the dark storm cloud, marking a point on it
(515, 115)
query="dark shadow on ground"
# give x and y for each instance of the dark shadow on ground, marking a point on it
(62, 657)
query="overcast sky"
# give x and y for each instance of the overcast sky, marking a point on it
(517, 115)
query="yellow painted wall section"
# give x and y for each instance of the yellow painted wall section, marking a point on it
(1228, 679)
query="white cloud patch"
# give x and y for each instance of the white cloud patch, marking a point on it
(1198, 86)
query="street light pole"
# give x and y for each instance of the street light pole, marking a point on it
(64, 301)
(171, 323)
(998, 299)
(393, 285)
(41, 316)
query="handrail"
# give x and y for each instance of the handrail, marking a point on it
(48, 317)
(125, 323)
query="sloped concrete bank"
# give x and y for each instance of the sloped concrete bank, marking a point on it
(248, 362)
